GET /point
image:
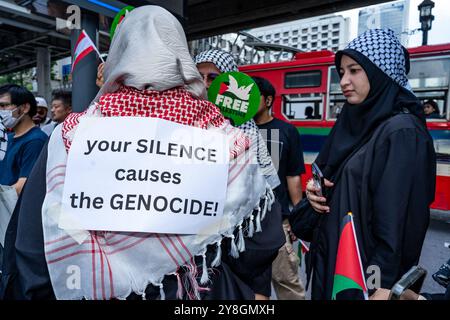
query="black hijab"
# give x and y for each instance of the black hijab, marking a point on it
(386, 97)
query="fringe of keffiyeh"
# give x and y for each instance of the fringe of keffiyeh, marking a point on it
(205, 278)
(252, 224)
(246, 228)
(190, 281)
(191, 278)
(180, 287)
(217, 259)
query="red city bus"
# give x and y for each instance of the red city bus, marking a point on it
(310, 82)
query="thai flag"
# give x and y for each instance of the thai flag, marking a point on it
(83, 47)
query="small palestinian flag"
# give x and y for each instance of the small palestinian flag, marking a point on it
(302, 249)
(348, 273)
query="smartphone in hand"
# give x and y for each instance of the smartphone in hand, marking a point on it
(412, 280)
(318, 179)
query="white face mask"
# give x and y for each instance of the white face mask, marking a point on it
(7, 118)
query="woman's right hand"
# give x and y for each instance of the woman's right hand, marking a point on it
(100, 80)
(317, 202)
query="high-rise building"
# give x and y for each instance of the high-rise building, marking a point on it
(326, 32)
(391, 15)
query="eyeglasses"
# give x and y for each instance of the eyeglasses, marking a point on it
(209, 77)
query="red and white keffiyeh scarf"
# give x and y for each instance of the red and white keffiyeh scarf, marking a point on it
(105, 265)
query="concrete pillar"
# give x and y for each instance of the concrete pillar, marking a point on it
(84, 88)
(43, 71)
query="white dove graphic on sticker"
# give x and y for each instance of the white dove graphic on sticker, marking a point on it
(242, 93)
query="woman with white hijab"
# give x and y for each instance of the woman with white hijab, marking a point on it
(149, 73)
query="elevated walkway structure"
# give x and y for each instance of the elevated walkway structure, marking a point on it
(34, 32)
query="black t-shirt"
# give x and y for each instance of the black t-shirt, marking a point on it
(282, 138)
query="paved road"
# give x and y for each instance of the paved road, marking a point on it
(434, 254)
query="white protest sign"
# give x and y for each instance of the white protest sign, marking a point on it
(135, 174)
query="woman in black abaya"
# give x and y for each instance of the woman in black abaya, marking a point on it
(379, 164)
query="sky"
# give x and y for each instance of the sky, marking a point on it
(439, 33)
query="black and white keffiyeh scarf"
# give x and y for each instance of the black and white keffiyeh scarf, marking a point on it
(226, 63)
(384, 50)
(221, 59)
(262, 154)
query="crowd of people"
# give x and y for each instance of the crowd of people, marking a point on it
(378, 163)
(27, 120)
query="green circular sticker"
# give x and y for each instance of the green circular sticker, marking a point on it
(118, 19)
(236, 95)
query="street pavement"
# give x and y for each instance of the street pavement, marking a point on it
(434, 254)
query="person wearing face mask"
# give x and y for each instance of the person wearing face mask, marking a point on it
(17, 108)
(379, 166)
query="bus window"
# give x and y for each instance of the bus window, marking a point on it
(336, 98)
(429, 78)
(439, 97)
(304, 106)
(303, 79)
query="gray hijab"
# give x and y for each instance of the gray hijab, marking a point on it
(149, 51)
